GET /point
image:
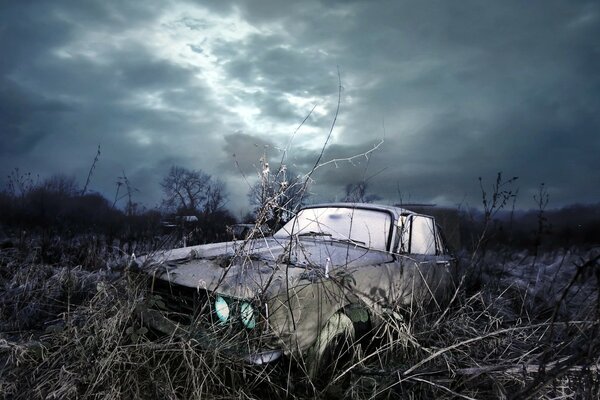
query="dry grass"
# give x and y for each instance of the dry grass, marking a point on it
(99, 350)
(512, 330)
(534, 337)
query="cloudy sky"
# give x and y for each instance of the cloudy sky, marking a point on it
(455, 90)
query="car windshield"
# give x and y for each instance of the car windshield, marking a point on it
(370, 228)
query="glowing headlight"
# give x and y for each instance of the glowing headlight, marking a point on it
(247, 315)
(221, 309)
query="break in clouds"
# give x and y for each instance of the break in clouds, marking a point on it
(454, 90)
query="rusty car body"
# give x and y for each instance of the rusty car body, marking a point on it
(327, 270)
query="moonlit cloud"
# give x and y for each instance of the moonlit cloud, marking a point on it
(455, 90)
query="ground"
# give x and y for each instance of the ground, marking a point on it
(519, 325)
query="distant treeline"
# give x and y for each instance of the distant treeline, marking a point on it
(572, 226)
(57, 207)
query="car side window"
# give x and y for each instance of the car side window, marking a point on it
(417, 234)
(422, 235)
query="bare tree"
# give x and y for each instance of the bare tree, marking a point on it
(215, 196)
(185, 190)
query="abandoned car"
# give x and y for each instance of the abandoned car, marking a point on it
(329, 272)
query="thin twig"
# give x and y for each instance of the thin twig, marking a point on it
(91, 171)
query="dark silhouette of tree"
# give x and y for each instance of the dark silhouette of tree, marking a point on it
(195, 193)
(185, 190)
(216, 197)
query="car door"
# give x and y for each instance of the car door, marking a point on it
(420, 241)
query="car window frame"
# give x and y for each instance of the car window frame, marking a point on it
(392, 223)
(407, 226)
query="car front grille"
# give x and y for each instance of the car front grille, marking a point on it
(180, 304)
(193, 310)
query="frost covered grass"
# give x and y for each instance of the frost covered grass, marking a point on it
(518, 326)
(96, 348)
(514, 330)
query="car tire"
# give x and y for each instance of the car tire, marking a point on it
(333, 349)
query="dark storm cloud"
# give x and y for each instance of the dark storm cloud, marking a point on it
(510, 87)
(458, 90)
(55, 109)
(443, 161)
(24, 116)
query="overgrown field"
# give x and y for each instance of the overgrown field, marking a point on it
(519, 326)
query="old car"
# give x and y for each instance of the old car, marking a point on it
(331, 271)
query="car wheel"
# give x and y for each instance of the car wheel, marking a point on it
(333, 349)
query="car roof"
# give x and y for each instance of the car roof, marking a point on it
(396, 211)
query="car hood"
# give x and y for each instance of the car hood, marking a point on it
(262, 267)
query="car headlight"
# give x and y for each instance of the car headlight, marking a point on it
(247, 315)
(221, 309)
